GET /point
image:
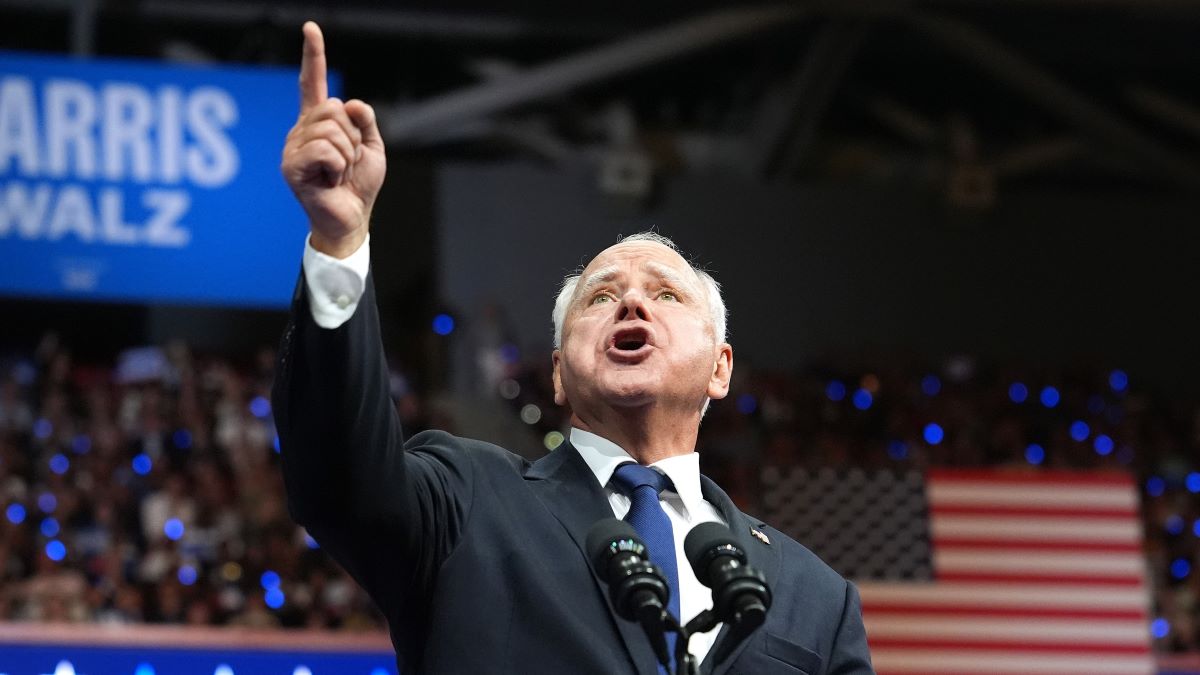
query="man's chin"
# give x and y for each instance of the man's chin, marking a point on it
(631, 401)
(629, 396)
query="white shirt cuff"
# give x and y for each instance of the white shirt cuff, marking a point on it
(335, 285)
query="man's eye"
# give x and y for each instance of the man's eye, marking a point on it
(601, 298)
(668, 295)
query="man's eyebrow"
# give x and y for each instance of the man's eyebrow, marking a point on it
(597, 278)
(667, 273)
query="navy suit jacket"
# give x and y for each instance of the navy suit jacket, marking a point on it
(476, 556)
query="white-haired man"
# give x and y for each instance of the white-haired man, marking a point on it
(476, 556)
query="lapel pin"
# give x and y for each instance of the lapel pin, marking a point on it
(760, 536)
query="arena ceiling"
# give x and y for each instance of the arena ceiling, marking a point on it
(969, 97)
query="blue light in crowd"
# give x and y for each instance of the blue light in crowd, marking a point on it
(931, 385)
(1180, 568)
(509, 353)
(1155, 486)
(55, 550)
(1018, 392)
(897, 450)
(835, 390)
(1118, 380)
(310, 542)
(1174, 524)
(59, 464)
(1079, 430)
(142, 464)
(275, 443)
(16, 514)
(1193, 482)
(144, 669)
(380, 671)
(260, 407)
(443, 324)
(1103, 445)
(269, 580)
(1049, 397)
(182, 438)
(862, 399)
(1035, 454)
(1196, 527)
(746, 404)
(81, 444)
(50, 527)
(24, 372)
(933, 433)
(43, 428)
(173, 528)
(274, 598)
(187, 575)
(47, 502)
(1159, 628)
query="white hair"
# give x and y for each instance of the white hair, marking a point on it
(712, 289)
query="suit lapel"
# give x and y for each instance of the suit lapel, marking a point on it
(568, 488)
(761, 555)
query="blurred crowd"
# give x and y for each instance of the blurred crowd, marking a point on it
(149, 490)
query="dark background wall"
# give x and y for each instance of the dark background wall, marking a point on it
(845, 274)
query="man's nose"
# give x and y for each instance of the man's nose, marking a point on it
(634, 306)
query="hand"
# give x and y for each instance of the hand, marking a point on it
(334, 158)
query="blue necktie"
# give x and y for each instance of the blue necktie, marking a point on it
(642, 485)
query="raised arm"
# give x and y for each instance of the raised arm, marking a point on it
(388, 513)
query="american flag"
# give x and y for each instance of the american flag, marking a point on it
(1038, 572)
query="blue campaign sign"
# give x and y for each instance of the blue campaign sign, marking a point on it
(55, 660)
(139, 181)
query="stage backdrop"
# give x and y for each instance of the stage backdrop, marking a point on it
(137, 181)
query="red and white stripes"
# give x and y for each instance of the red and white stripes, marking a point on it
(1035, 573)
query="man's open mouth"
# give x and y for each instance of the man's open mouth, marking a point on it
(630, 343)
(630, 339)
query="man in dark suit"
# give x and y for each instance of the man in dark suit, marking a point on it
(475, 555)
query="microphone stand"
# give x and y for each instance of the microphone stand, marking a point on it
(685, 663)
(701, 623)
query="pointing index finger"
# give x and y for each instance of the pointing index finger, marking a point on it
(313, 87)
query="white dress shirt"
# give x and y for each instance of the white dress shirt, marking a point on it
(685, 507)
(334, 288)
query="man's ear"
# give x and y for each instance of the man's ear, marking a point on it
(560, 396)
(718, 384)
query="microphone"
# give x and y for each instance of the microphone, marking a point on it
(740, 593)
(636, 586)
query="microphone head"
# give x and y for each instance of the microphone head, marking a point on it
(610, 537)
(705, 543)
(635, 585)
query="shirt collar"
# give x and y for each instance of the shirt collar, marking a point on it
(603, 457)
